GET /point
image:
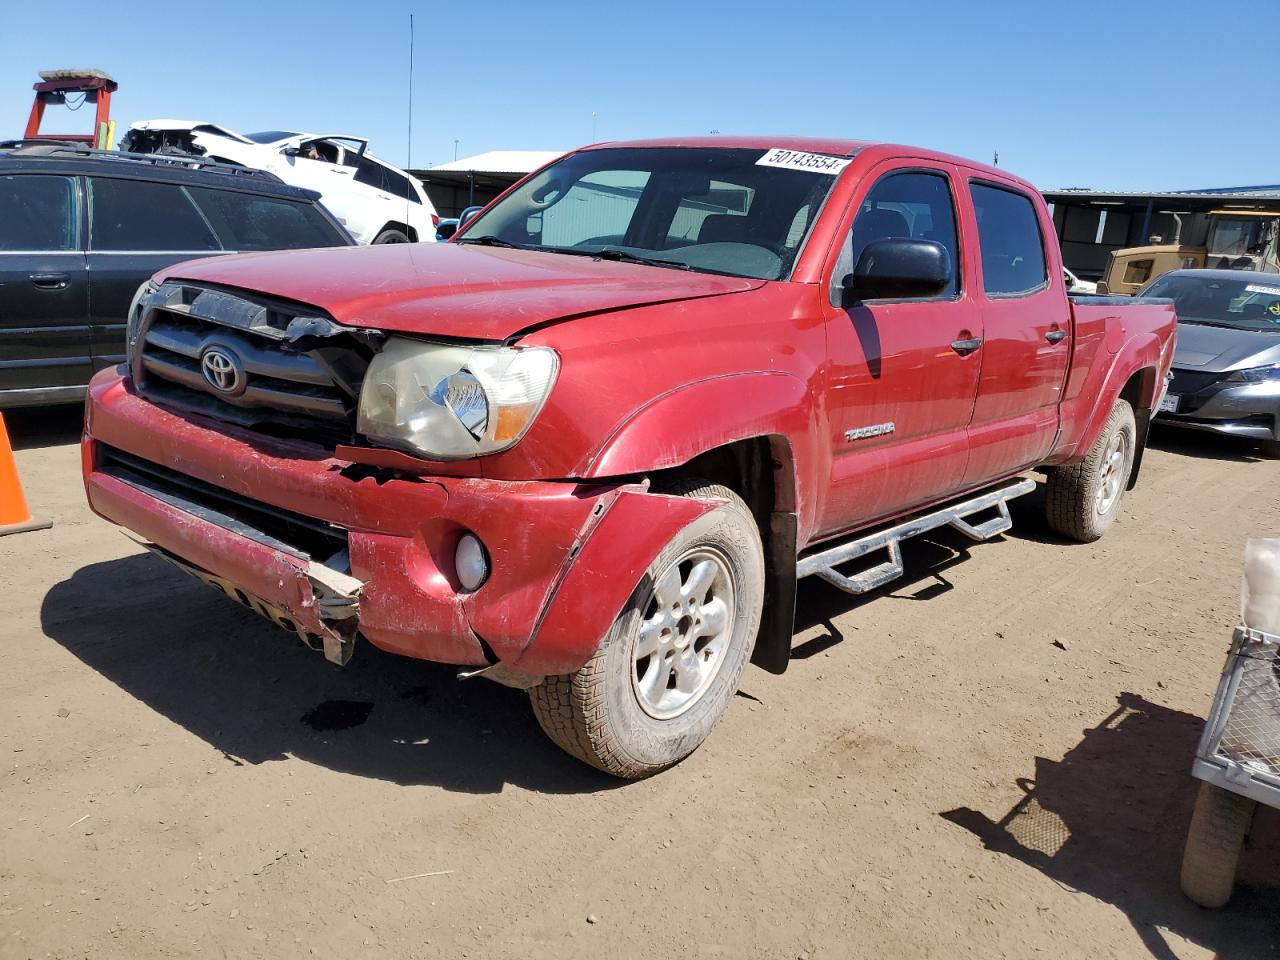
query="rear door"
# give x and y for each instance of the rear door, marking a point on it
(136, 227)
(1027, 334)
(900, 392)
(44, 332)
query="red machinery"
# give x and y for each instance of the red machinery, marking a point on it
(56, 86)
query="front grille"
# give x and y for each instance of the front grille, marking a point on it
(274, 527)
(273, 367)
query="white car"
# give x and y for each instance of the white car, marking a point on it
(376, 202)
(1076, 285)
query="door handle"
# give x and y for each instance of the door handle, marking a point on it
(1053, 336)
(50, 281)
(963, 347)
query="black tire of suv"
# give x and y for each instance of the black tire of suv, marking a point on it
(391, 236)
(594, 714)
(1071, 495)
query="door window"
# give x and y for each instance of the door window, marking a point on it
(37, 213)
(397, 184)
(248, 222)
(136, 215)
(1013, 260)
(910, 205)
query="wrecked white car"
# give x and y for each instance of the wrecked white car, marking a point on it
(376, 202)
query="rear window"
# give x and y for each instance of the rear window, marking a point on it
(248, 222)
(37, 213)
(1013, 259)
(136, 215)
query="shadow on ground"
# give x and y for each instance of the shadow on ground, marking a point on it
(256, 694)
(32, 427)
(1109, 819)
(1202, 444)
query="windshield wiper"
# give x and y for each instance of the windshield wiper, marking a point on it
(623, 256)
(491, 242)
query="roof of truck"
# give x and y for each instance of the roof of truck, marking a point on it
(840, 148)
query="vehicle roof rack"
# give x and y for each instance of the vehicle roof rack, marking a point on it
(46, 148)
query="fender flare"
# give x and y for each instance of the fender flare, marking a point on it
(1133, 358)
(739, 406)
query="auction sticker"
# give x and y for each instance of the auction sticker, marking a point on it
(797, 160)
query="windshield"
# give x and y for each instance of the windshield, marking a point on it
(1250, 303)
(269, 136)
(713, 210)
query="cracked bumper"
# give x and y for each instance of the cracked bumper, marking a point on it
(564, 556)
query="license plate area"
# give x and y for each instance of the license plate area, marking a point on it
(1169, 403)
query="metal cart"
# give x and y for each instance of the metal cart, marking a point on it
(1238, 760)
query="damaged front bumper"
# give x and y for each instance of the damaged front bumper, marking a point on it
(330, 552)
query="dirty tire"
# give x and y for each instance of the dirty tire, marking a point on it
(595, 713)
(1218, 827)
(392, 236)
(1072, 493)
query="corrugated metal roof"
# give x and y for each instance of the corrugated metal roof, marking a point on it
(501, 161)
(1236, 194)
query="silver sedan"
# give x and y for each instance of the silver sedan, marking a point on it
(1226, 367)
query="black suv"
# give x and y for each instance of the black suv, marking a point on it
(81, 229)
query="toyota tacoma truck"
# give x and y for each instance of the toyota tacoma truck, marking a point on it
(589, 446)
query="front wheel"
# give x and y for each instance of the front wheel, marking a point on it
(673, 658)
(1083, 499)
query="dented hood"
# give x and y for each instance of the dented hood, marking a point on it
(448, 290)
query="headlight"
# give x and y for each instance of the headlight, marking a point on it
(448, 402)
(1254, 374)
(133, 319)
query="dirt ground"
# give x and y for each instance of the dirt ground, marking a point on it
(933, 777)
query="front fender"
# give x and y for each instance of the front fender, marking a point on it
(677, 426)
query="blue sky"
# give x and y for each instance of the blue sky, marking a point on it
(1114, 94)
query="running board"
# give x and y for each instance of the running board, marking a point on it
(824, 564)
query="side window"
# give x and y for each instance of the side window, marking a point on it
(137, 215)
(370, 173)
(37, 213)
(1013, 260)
(321, 150)
(913, 205)
(397, 184)
(596, 209)
(248, 222)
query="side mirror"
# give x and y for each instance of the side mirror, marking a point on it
(291, 151)
(446, 230)
(898, 269)
(467, 215)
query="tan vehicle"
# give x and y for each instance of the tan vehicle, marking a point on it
(1220, 240)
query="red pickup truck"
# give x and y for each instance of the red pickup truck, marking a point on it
(588, 447)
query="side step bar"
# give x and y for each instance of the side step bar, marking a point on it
(824, 564)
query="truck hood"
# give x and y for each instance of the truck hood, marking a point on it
(1219, 349)
(481, 293)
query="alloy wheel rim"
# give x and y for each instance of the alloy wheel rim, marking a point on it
(1111, 478)
(684, 634)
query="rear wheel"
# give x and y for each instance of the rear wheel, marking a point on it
(1083, 499)
(392, 236)
(1219, 824)
(671, 663)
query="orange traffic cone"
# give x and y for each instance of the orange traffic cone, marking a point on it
(14, 516)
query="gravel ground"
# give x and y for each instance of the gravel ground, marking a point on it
(987, 760)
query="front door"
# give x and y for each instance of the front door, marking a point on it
(902, 376)
(1027, 337)
(44, 331)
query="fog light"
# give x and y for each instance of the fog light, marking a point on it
(471, 562)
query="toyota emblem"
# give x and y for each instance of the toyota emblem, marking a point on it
(222, 370)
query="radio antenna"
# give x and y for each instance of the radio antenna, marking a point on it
(409, 136)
